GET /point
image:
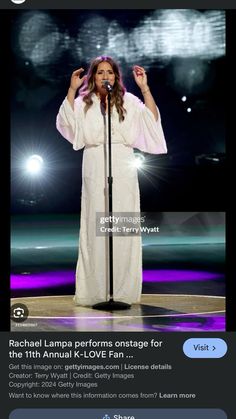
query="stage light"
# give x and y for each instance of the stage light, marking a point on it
(213, 159)
(189, 110)
(34, 164)
(121, 43)
(193, 75)
(139, 160)
(92, 36)
(191, 33)
(158, 38)
(184, 98)
(180, 33)
(39, 39)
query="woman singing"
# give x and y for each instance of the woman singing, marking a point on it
(83, 120)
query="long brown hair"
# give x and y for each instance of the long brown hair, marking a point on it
(118, 90)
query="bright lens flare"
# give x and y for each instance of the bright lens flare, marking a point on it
(34, 164)
(139, 161)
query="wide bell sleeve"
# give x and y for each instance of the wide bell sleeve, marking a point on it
(69, 123)
(144, 132)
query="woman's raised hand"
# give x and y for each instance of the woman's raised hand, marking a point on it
(76, 81)
(140, 76)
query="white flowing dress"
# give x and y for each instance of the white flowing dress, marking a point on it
(89, 131)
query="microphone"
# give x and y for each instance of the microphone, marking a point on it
(107, 85)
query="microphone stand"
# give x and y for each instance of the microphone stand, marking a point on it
(111, 304)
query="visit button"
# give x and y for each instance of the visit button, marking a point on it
(205, 348)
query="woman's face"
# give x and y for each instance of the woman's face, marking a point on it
(104, 72)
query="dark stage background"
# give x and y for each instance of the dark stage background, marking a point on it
(183, 52)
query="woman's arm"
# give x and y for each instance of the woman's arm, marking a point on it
(68, 121)
(141, 80)
(75, 83)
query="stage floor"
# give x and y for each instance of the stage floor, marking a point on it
(183, 277)
(156, 312)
